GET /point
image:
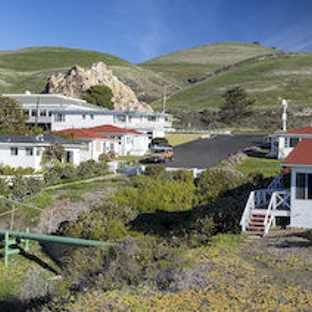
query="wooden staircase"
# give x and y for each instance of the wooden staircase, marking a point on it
(256, 224)
(263, 206)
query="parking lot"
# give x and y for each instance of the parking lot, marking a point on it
(206, 153)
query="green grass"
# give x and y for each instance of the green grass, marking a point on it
(176, 139)
(72, 195)
(265, 80)
(267, 167)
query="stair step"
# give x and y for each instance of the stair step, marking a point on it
(255, 233)
(255, 223)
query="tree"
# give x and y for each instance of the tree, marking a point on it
(237, 105)
(12, 117)
(100, 95)
(53, 152)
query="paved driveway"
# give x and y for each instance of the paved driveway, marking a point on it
(206, 153)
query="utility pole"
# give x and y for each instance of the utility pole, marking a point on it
(284, 115)
(164, 99)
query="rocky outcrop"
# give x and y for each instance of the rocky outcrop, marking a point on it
(77, 80)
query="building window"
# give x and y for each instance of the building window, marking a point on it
(34, 113)
(43, 112)
(29, 151)
(304, 186)
(83, 116)
(151, 118)
(59, 117)
(92, 116)
(14, 151)
(291, 142)
(112, 147)
(121, 118)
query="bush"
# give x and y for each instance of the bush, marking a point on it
(52, 176)
(213, 182)
(19, 187)
(34, 186)
(157, 141)
(68, 172)
(154, 170)
(3, 186)
(131, 262)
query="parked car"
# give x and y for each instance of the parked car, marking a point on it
(162, 155)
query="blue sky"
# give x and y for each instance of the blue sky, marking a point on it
(138, 30)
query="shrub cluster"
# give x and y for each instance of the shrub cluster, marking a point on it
(86, 169)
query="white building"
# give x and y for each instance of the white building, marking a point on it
(288, 199)
(130, 142)
(26, 150)
(57, 112)
(93, 144)
(283, 142)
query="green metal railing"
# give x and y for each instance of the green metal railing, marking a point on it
(14, 238)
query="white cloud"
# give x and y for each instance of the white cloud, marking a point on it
(294, 38)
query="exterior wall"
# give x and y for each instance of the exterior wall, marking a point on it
(140, 145)
(81, 120)
(301, 209)
(22, 159)
(283, 151)
(136, 145)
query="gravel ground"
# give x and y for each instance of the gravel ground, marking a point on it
(283, 256)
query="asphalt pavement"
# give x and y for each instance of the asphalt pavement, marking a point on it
(206, 153)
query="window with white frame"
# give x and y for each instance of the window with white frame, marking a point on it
(29, 151)
(14, 151)
(304, 186)
(59, 117)
(43, 113)
(291, 142)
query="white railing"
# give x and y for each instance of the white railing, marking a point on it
(264, 198)
(280, 200)
(277, 183)
(247, 211)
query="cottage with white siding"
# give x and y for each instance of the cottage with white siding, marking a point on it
(93, 144)
(26, 150)
(280, 202)
(130, 142)
(283, 142)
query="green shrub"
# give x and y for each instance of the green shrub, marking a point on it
(131, 262)
(52, 176)
(19, 186)
(68, 172)
(3, 186)
(213, 182)
(157, 141)
(154, 170)
(34, 186)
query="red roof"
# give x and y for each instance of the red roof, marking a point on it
(113, 129)
(84, 134)
(301, 154)
(307, 130)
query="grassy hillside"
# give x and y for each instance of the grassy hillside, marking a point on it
(264, 78)
(203, 60)
(29, 69)
(264, 72)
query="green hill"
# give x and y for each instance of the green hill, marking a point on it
(29, 69)
(195, 78)
(266, 78)
(203, 60)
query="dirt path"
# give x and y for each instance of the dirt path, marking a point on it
(283, 257)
